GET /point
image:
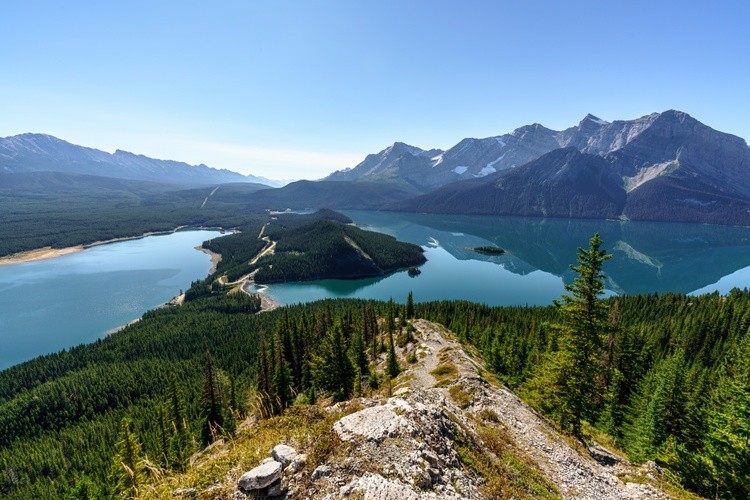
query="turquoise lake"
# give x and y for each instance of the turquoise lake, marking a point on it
(53, 304)
(647, 258)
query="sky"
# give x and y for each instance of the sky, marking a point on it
(298, 89)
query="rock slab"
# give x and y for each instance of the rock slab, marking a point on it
(283, 454)
(260, 477)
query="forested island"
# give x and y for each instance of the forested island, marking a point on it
(489, 250)
(666, 380)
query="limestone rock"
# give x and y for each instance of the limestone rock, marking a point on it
(321, 471)
(283, 454)
(298, 462)
(260, 477)
(375, 423)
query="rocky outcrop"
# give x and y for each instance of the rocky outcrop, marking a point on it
(448, 437)
(260, 477)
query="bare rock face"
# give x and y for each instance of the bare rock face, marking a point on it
(375, 423)
(260, 477)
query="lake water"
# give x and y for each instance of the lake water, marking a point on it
(53, 304)
(647, 258)
(49, 305)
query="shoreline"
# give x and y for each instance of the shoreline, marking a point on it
(38, 254)
(46, 253)
(215, 258)
(266, 302)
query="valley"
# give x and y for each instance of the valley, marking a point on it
(290, 332)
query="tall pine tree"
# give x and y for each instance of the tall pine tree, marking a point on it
(568, 377)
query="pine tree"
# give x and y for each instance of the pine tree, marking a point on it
(392, 368)
(128, 471)
(333, 370)
(164, 437)
(390, 320)
(410, 306)
(212, 400)
(575, 368)
(179, 445)
(357, 352)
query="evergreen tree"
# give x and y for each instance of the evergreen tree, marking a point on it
(179, 445)
(282, 385)
(728, 444)
(128, 472)
(392, 368)
(333, 370)
(263, 369)
(164, 437)
(410, 306)
(357, 352)
(212, 401)
(390, 319)
(571, 373)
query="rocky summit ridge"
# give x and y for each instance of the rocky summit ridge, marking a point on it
(447, 430)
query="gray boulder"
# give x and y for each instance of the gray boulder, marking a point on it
(260, 477)
(283, 454)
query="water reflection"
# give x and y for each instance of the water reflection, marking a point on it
(647, 257)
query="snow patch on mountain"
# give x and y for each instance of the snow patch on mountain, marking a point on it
(460, 170)
(492, 163)
(437, 160)
(486, 171)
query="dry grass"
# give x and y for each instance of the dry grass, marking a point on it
(303, 427)
(461, 396)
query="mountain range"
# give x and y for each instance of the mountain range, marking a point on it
(662, 166)
(40, 152)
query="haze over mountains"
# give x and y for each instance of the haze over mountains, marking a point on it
(663, 167)
(40, 152)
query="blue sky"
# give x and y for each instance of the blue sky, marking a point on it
(297, 89)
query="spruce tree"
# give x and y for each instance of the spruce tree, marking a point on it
(410, 306)
(213, 411)
(332, 368)
(128, 472)
(573, 370)
(179, 444)
(392, 368)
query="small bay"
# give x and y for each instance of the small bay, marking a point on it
(58, 303)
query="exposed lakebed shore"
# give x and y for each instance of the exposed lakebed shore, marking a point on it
(46, 253)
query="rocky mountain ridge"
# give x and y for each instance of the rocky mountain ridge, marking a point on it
(670, 144)
(446, 430)
(662, 167)
(41, 152)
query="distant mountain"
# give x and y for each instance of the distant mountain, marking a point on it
(399, 161)
(39, 152)
(562, 183)
(361, 194)
(664, 166)
(469, 159)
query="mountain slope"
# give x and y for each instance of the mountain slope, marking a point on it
(662, 167)
(563, 183)
(334, 194)
(39, 152)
